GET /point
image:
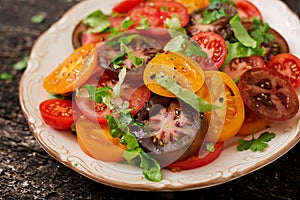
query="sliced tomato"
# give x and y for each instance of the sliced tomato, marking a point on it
(58, 113)
(126, 5)
(238, 66)
(214, 46)
(96, 141)
(137, 96)
(288, 65)
(73, 71)
(157, 12)
(197, 161)
(247, 10)
(224, 123)
(193, 5)
(269, 94)
(182, 69)
(252, 123)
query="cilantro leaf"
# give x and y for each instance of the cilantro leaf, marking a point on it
(260, 31)
(127, 23)
(98, 22)
(21, 64)
(212, 16)
(256, 144)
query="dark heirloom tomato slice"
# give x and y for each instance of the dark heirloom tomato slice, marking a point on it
(238, 66)
(288, 65)
(136, 95)
(172, 130)
(197, 161)
(247, 9)
(58, 113)
(157, 12)
(269, 94)
(215, 47)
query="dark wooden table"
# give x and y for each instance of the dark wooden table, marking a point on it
(28, 172)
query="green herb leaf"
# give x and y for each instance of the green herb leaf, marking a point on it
(241, 33)
(21, 64)
(6, 76)
(144, 24)
(189, 97)
(213, 3)
(195, 50)
(210, 147)
(98, 22)
(100, 95)
(212, 16)
(260, 32)
(174, 24)
(176, 44)
(136, 61)
(38, 18)
(256, 144)
(127, 23)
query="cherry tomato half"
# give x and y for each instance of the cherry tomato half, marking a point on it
(137, 96)
(73, 71)
(197, 161)
(227, 121)
(58, 113)
(247, 10)
(96, 141)
(182, 69)
(157, 12)
(269, 94)
(214, 46)
(238, 66)
(288, 65)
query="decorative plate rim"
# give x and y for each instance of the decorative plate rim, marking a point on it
(74, 158)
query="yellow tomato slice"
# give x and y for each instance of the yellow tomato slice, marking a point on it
(74, 70)
(96, 141)
(179, 67)
(193, 5)
(226, 122)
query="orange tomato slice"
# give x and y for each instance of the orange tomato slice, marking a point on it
(179, 67)
(96, 141)
(73, 71)
(193, 5)
(224, 123)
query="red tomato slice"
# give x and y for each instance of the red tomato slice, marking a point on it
(195, 161)
(158, 12)
(58, 113)
(137, 96)
(288, 65)
(238, 66)
(126, 5)
(247, 9)
(215, 47)
(269, 94)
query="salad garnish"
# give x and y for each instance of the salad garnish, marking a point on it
(256, 144)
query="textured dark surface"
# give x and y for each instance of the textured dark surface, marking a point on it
(28, 172)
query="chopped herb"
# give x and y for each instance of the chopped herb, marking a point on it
(164, 8)
(6, 76)
(189, 97)
(118, 59)
(174, 24)
(127, 23)
(136, 61)
(100, 95)
(210, 147)
(212, 16)
(38, 18)
(144, 24)
(98, 22)
(256, 144)
(21, 64)
(213, 3)
(260, 32)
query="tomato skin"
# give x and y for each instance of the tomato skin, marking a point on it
(195, 161)
(156, 15)
(288, 65)
(252, 123)
(215, 47)
(269, 94)
(96, 141)
(58, 113)
(238, 66)
(225, 127)
(247, 10)
(181, 68)
(73, 71)
(126, 5)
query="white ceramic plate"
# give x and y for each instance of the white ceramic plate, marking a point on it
(55, 45)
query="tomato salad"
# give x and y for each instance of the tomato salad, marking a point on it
(161, 84)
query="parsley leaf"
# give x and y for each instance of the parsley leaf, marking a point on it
(260, 32)
(21, 64)
(6, 76)
(212, 16)
(256, 144)
(38, 18)
(98, 22)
